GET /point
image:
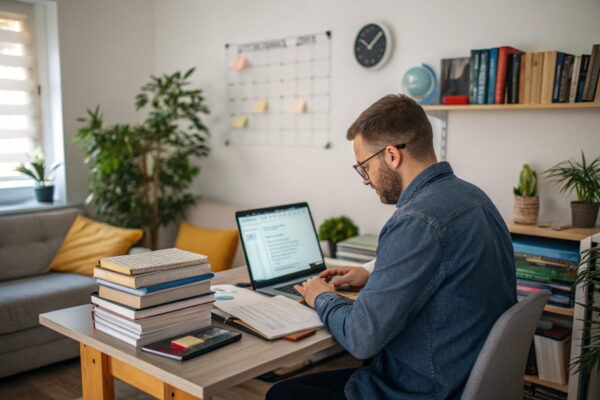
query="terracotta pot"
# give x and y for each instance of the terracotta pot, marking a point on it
(526, 210)
(584, 215)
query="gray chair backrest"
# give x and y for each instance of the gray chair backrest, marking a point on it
(499, 368)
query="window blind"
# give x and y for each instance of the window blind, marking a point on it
(19, 98)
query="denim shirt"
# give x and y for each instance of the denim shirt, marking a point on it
(444, 274)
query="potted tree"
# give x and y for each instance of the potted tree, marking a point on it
(527, 202)
(584, 178)
(44, 189)
(334, 230)
(140, 175)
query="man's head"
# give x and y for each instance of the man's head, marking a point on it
(393, 143)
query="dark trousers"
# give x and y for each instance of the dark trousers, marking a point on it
(327, 385)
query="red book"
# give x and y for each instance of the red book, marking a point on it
(503, 53)
(455, 100)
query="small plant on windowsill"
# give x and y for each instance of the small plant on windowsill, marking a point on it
(44, 190)
(334, 230)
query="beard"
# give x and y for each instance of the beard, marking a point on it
(390, 186)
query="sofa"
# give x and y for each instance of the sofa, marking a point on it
(28, 243)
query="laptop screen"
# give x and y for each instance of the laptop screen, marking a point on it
(280, 243)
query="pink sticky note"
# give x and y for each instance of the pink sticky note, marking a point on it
(239, 63)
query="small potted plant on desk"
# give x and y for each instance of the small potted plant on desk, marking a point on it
(44, 190)
(527, 203)
(584, 177)
(334, 230)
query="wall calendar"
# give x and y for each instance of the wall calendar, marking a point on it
(279, 92)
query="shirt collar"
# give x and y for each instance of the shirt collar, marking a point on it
(423, 179)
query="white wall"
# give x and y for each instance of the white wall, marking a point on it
(106, 54)
(486, 148)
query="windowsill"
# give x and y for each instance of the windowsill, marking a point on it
(32, 206)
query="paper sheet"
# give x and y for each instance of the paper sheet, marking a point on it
(272, 316)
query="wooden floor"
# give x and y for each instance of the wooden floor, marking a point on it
(62, 381)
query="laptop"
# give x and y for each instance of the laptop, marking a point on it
(281, 248)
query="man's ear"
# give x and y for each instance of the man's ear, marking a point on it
(393, 157)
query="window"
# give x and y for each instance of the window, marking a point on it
(20, 122)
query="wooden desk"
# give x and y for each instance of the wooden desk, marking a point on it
(104, 358)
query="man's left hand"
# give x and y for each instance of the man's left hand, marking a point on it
(312, 288)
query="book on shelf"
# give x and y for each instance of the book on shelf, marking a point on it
(492, 73)
(159, 260)
(560, 296)
(592, 76)
(513, 78)
(548, 75)
(552, 354)
(194, 289)
(524, 60)
(585, 63)
(501, 73)
(154, 278)
(537, 68)
(534, 391)
(562, 76)
(546, 248)
(454, 80)
(575, 71)
(474, 66)
(482, 76)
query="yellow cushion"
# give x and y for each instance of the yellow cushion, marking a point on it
(88, 241)
(218, 244)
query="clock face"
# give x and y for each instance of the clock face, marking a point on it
(372, 46)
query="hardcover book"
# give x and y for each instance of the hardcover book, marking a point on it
(151, 278)
(502, 69)
(454, 77)
(159, 260)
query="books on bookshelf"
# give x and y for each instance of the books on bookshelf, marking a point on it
(172, 297)
(361, 248)
(552, 354)
(506, 75)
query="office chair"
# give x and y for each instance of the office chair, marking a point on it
(499, 368)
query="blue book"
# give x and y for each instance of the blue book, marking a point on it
(482, 76)
(552, 249)
(585, 63)
(560, 62)
(473, 76)
(156, 288)
(492, 71)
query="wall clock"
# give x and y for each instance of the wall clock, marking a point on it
(373, 45)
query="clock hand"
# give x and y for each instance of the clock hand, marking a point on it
(363, 42)
(375, 39)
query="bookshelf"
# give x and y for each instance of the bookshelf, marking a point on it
(482, 107)
(587, 237)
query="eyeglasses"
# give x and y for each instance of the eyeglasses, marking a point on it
(362, 171)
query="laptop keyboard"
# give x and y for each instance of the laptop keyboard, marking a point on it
(289, 289)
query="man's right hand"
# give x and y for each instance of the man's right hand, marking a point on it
(355, 277)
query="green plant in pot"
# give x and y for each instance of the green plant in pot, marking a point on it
(44, 189)
(584, 178)
(334, 230)
(141, 175)
(527, 202)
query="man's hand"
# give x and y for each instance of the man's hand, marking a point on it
(312, 288)
(355, 277)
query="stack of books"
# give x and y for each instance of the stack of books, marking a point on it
(506, 75)
(144, 298)
(533, 391)
(544, 263)
(360, 248)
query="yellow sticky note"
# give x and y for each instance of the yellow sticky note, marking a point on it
(299, 106)
(186, 341)
(239, 122)
(239, 63)
(260, 106)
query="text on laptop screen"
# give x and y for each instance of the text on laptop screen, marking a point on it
(280, 242)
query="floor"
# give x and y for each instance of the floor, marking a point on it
(62, 381)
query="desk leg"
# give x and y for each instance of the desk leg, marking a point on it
(172, 393)
(96, 380)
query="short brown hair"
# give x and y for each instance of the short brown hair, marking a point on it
(392, 120)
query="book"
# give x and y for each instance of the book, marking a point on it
(548, 75)
(211, 338)
(552, 354)
(474, 75)
(455, 100)
(564, 84)
(154, 299)
(544, 247)
(521, 95)
(482, 76)
(492, 71)
(159, 260)
(354, 256)
(501, 72)
(513, 78)
(134, 314)
(454, 79)
(366, 241)
(593, 72)
(155, 288)
(585, 63)
(575, 79)
(151, 278)
(134, 339)
(155, 323)
(536, 77)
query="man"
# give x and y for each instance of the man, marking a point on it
(444, 272)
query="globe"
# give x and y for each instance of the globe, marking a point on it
(420, 83)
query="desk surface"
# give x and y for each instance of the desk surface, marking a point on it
(201, 376)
